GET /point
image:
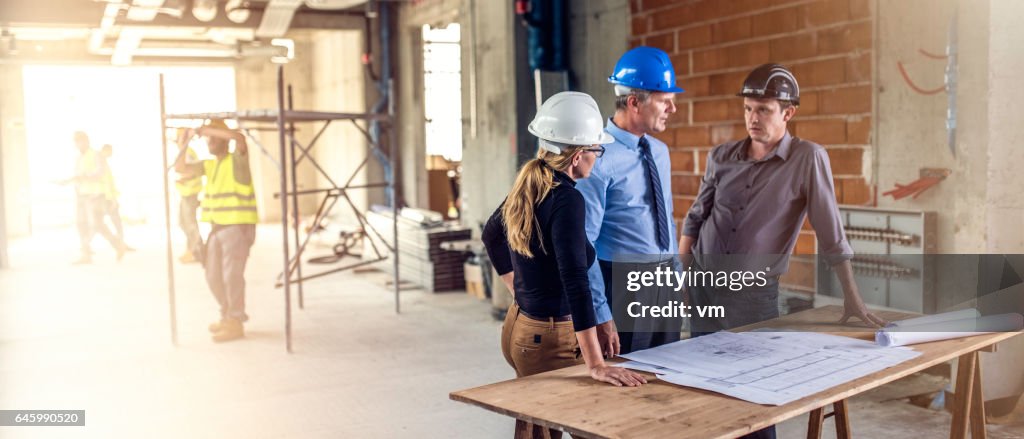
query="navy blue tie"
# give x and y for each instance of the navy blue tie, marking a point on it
(657, 196)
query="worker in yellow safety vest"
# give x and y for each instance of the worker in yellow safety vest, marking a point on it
(189, 184)
(229, 205)
(112, 208)
(90, 199)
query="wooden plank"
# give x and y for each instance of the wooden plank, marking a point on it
(568, 399)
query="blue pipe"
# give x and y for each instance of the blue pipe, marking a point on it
(383, 88)
(546, 35)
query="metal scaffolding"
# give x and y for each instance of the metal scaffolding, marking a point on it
(292, 153)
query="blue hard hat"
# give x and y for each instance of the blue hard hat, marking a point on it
(645, 68)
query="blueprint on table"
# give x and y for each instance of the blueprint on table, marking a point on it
(769, 367)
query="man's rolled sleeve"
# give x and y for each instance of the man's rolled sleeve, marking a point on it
(823, 212)
(701, 207)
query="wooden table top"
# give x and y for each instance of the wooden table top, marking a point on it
(569, 400)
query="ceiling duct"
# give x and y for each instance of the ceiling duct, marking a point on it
(144, 10)
(277, 17)
(126, 45)
(99, 34)
(333, 4)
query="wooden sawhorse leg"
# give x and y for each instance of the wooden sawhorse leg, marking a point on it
(969, 404)
(818, 416)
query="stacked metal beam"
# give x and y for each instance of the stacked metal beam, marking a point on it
(421, 259)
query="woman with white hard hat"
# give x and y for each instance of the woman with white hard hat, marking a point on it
(537, 242)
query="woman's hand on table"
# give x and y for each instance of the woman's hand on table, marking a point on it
(617, 376)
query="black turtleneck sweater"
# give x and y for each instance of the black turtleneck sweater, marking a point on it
(552, 283)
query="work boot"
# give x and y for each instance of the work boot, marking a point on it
(187, 257)
(215, 326)
(230, 329)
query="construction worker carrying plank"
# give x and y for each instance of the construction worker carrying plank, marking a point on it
(229, 205)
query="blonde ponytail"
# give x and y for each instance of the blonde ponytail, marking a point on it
(535, 181)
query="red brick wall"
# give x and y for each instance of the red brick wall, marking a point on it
(715, 43)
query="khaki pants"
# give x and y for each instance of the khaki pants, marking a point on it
(227, 250)
(533, 346)
(187, 220)
(89, 211)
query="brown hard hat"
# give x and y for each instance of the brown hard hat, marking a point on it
(771, 81)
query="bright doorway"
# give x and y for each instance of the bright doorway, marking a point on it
(119, 106)
(442, 108)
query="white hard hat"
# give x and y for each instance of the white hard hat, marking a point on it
(622, 90)
(570, 118)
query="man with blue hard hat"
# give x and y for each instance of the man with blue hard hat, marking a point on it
(629, 196)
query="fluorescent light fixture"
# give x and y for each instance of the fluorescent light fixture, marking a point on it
(277, 17)
(236, 12)
(204, 10)
(333, 4)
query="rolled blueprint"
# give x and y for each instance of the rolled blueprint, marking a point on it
(945, 330)
(969, 313)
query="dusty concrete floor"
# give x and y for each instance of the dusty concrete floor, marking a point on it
(97, 338)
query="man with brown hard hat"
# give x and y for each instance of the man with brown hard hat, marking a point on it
(751, 206)
(229, 205)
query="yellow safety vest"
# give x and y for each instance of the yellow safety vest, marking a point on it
(225, 200)
(86, 166)
(109, 189)
(190, 186)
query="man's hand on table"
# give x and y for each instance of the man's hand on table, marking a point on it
(854, 307)
(608, 338)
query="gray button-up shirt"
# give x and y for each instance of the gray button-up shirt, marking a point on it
(756, 208)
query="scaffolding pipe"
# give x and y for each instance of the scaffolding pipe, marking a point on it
(295, 198)
(167, 218)
(284, 208)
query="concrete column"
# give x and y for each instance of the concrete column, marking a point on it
(14, 175)
(256, 88)
(338, 84)
(911, 132)
(489, 158)
(599, 35)
(989, 199)
(1004, 207)
(971, 186)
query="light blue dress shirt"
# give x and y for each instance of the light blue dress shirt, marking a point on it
(619, 218)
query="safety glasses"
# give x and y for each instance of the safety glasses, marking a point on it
(597, 150)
